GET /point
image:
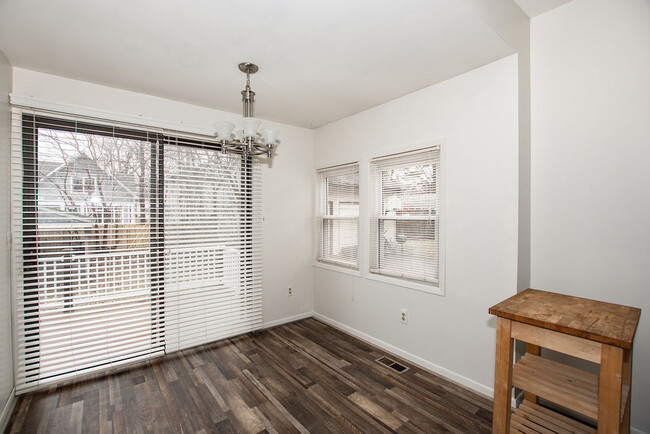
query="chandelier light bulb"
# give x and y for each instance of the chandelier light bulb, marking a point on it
(269, 134)
(250, 125)
(224, 130)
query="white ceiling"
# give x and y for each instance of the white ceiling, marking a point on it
(319, 61)
(538, 7)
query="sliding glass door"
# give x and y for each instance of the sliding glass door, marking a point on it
(127, 243)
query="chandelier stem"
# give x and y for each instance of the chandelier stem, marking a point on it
(248, 98)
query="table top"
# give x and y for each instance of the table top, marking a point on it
(607, 323)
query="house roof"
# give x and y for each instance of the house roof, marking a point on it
(48, 170)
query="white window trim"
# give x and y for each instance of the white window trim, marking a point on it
(364, 216)
(338, 268)
(330, 264)
(397, 281)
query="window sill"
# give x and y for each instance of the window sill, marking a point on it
(337, 268)
(424, 287)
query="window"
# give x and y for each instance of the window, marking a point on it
(404, 215)
(83, 185)
(338, 216)
(128, 244)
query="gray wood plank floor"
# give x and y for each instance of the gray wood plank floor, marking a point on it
(299, 377)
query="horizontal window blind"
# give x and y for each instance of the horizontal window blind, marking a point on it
(404, 210)
(84, 212)
(213, 263)
(337, 226)
(104, 261)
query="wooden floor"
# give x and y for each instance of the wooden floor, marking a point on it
(299, 377)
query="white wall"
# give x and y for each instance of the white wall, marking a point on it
(289, 181)
(590, 191)
(6, 359)
(512, 25)
(476, 116)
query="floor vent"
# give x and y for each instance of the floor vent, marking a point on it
(392, 364)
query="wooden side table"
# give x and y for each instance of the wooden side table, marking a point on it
(591, 330)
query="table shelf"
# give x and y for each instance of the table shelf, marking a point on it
(533, 418)
(572, 388)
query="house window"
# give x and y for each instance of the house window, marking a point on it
(83, 185)
(404, 216)
(338, 216)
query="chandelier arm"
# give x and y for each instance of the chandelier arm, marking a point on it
(244, 142)
(265, 150)
(260, 147)
(242, 149)
(233, 149)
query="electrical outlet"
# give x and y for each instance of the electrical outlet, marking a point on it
(290, 292)
(404, 317)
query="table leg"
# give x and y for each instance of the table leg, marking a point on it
(502, 377)
(627, 379)
(609, 390)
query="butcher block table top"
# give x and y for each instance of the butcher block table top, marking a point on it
(607, 323)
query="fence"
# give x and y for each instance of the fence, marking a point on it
(75, 279)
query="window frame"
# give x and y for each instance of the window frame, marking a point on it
(321, 217)
(420, 285)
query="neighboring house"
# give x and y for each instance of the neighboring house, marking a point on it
(80, 194)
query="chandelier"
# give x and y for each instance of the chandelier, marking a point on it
(247, 141)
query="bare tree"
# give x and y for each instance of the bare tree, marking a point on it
(92, 175)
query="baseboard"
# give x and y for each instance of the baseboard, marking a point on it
(285, 320)
(7, 410)
(478, 387)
